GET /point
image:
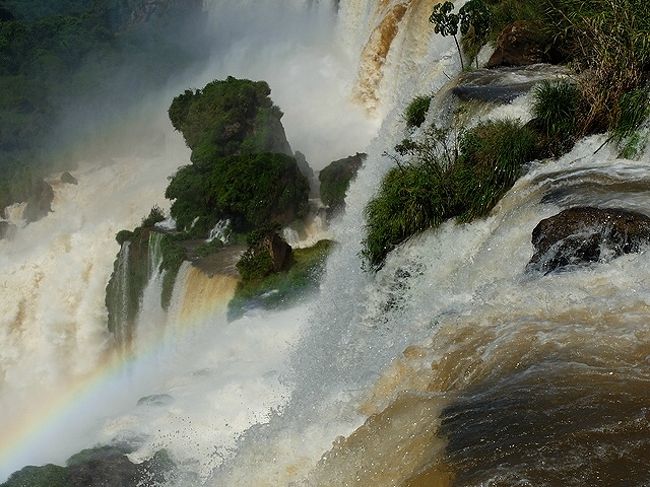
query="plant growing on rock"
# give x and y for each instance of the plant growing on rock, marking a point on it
(445, 174)
(416, 111)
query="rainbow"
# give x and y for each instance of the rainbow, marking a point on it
(78, 406)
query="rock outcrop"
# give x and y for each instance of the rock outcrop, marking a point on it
(585, 234)
(335, 180)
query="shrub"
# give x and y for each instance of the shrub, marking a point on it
(555, 106)
(416, 111)
(155, 216)
(491, 158)
(250, 190)
(447, 175)
(123, 236)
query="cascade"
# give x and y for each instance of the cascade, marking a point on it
(119, 302)
(381, 379)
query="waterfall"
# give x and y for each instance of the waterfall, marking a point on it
(380, 379)
(118, 301)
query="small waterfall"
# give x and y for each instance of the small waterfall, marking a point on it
(119, 298)
(154, 258)
(221, 232)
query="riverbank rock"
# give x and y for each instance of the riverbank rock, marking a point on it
(519, 44)
(585, 234)
(335, 180)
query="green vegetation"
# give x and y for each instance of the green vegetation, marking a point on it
(461, 176)
(283, 288)
(229, 117)
(46, 476)
(335, 180)
(473, 19)
(628, 133)
(155, 216)
(240, 168)
(416, 111)
(555, 108)
(250, 190)
(267, 253)
(55, 58)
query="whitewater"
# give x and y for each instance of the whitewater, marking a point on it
(427, 372)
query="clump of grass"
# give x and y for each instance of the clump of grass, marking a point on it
(628, 132)
(610, 50)
(556, 110)
(416, 111)
(461, 175)
(491, 158)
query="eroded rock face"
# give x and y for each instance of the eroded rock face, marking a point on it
(518, 44)
(279, 250)
(585, 234)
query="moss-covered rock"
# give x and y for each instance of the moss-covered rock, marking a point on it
(97, 467)
(335, 180)
(229, 117)
(283, 288)
(242, 166)
(268, 254)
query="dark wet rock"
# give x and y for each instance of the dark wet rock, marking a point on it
(304, 167)
(585, 234)
(503, 85)
(39, 203)
(335, 180)
(156, 400)
(279, 250)
(519, 44)
(68, 178)
(6, 229)
(268, 255)
(98, 467)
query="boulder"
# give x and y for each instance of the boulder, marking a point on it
(586, 234)
(68, 178)
(519, 44)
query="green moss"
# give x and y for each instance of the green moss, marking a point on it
(282, 289)
(416, 111)
(441, 181)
